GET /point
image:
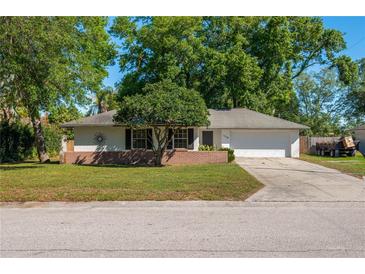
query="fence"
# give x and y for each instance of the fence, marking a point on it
(308, 144)
(70, 145)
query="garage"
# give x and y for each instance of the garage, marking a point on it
(247, 143)
(253, 134)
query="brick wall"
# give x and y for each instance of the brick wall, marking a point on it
(178, 157)
(142, 157)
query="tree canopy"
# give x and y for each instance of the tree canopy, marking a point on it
(355, 97)
(104, 100)
(51, 61)
(231, 61)
(165, 107)
(320, 102)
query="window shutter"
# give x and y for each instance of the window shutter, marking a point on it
(169, 145)
(128, 138)
(149, 138)
(190, 138)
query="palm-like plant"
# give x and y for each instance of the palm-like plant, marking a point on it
(104, 100)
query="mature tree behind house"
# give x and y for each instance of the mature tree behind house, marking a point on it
(354, 102)
(61, 114)
(165, 107)
(52, 61)
(320, 102)
(231, 61)
(104, 100)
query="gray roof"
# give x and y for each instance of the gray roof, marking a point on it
(102, 119)
(245, 118)
(232, 118)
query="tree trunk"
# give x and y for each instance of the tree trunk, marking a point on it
(39, 141)
(158, 158)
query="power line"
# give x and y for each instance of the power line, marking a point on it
(358, 42)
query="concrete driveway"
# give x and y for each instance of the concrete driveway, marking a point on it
(288, 179)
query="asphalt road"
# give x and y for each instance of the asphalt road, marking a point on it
(183, 229)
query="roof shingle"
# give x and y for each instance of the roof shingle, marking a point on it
(230, 118)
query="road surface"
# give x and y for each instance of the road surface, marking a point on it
(183, 229)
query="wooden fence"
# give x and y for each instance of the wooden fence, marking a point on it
(308, 144)
(70, 145)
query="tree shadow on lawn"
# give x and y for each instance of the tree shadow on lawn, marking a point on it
(119, 166)
(7, 168)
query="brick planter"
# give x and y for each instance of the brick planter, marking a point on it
(143, 157)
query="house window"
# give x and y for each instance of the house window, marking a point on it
(181, 138)
(139, 139)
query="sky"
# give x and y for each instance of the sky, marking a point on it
(354, 33)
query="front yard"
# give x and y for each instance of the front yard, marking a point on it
(54, 182)
(354, 166)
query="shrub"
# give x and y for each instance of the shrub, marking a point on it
(230, 153)
(53, 137)
(207, 148)
(16, 141)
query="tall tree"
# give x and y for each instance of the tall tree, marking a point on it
(232, 61)
(51, 61)
(319, 102)
(354, 102)
(104, 100)
(61, 114)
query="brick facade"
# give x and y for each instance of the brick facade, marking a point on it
(143, 157)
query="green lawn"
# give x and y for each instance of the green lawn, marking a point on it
(351, 165)
(55, 182)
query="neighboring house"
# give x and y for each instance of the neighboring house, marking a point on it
(251, 134)
(360, 135)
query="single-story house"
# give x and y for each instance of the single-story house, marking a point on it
(360, 135)
(249, 133)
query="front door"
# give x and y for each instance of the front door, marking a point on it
(208, 138)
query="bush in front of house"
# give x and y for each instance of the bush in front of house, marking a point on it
(53, 137)
(16, 141)
(230, 153)
(207, 148)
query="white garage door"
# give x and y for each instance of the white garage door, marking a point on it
(260, 143)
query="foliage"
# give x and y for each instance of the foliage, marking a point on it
(53, 137)
(62, 114)
(207, 148)
(164, 106)
(231, 61)
(231, 156)
(355, 98)
(320, 97)
(53, 61)
(105, 100)
(16, 141)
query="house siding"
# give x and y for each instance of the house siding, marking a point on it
(84, 139)
(216, 136)
(114, 139)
